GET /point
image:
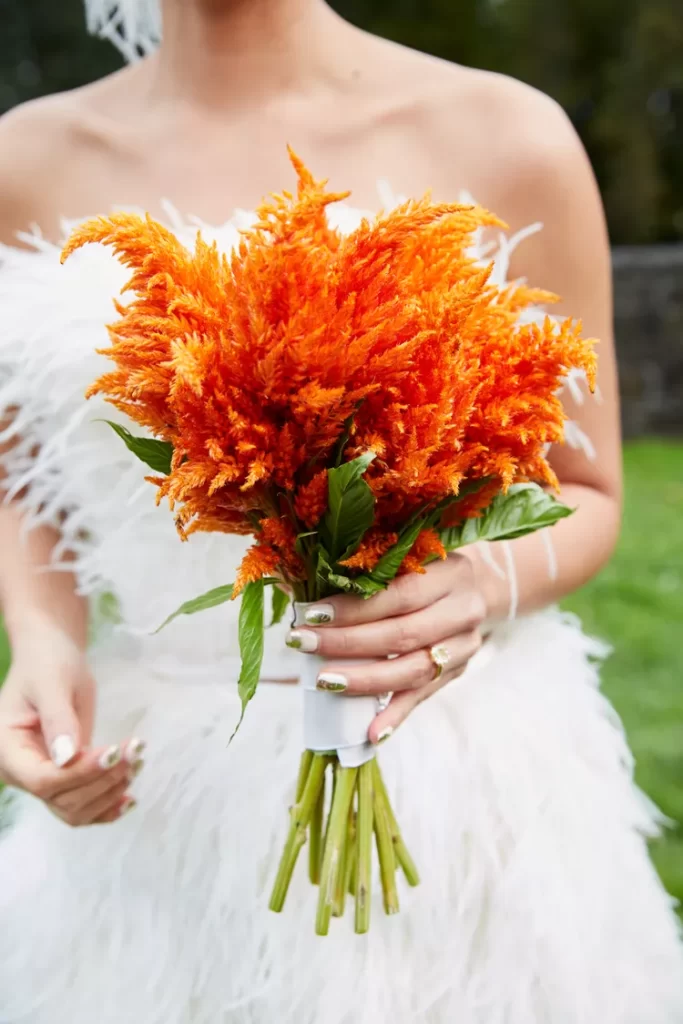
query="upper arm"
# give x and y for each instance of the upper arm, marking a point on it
(33, 145)
(30, 151)
(554, 183)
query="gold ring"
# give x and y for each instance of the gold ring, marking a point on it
(439, 657)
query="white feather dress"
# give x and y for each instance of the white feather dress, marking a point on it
(513, 786)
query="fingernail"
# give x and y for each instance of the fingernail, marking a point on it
(134, 749)
(319, 614)
(332, 682)
(127, 807)
(385, 734)
(137, 767)
(302, 640)
(62, 750)
(110, 757)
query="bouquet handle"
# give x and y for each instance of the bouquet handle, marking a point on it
(356, 802)
(334, 724)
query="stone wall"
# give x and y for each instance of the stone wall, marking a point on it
(648, 282)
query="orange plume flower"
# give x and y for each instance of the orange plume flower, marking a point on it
(375, 544)
(311, 500)
(253, 364)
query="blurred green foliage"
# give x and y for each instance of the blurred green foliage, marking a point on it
(636, 604)
(615, 65)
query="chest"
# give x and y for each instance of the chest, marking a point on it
(211, 165)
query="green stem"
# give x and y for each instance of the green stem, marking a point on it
(345, 860)
(352, 861)
(364, 849)
(401, 852)
(315, 843)
(304, 769)
(334, 841)
(300, 816)
(385, 851)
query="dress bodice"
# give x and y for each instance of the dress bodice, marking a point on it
(71, 468)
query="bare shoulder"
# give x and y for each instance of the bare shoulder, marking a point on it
(33, 141)
(517, 151)
(497, 137)
(522, 155)
(520, 130)
(44, 147)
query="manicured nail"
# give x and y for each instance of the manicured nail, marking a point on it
(134, 749)
(303, 640)
(127, 807)
(319, 614)
(332, 682)
(385, 734)
(137, 767)
(62, 750)
(110, 757)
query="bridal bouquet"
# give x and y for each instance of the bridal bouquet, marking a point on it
(360, 405)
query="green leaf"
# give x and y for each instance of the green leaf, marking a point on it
(384, 572)
(156, 454)
(362, 586)
(524, 509)
(299, 545)
(351, 508)
(210, 599)
(250, 632)
(280, 604)
(322, 570)
(345, 435)
(389, 564)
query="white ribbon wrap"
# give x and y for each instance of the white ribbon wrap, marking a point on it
(333, 721)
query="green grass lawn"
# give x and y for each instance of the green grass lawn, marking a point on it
(637, 605)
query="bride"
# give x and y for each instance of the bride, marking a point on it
(538, 904)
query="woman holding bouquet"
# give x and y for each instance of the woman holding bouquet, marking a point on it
(508, 770)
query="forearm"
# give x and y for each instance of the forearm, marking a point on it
(27, 592)
(536, 571)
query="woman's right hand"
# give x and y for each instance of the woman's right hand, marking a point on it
(47, 706)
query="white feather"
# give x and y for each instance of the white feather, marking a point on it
(513, 785)
(133, 26)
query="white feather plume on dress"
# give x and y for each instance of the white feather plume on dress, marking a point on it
(539, 904)
(133, 26)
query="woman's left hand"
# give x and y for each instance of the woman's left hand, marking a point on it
(419, 619)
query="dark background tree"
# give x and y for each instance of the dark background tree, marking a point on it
(615, 65)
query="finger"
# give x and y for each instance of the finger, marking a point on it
(60, 725)
(401, 635)
(65, 708)
(404, 595)
(410, 672)
(79, 797)
(86, 815)
(27, 767)
(403, 703)
(84, 706)
(387, 721)
(121, 809)
(91, 766)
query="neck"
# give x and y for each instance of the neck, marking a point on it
(223, 52)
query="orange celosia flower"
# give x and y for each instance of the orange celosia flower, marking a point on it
(428, 545)
(310, 503)
(471, 505)
(251, 364)
(279, 534)
(260, 560)
(375, 544)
